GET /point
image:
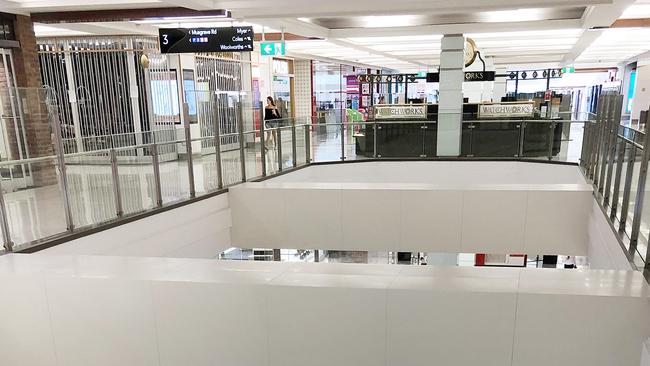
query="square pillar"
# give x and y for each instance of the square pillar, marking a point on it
(450, 108)
(500, 85)
(31, 99)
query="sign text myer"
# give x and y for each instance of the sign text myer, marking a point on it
(411, 111)
(198, 40)
(506, 110)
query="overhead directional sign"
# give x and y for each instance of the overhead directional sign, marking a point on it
(192, 40)
(272, 49)
(568, 70)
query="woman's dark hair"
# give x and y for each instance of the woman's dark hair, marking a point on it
(270, 99)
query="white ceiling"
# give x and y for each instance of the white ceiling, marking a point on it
(403, 35)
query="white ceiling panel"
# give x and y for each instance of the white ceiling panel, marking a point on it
(616, 45)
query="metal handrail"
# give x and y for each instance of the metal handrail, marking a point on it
(636, 144)
(632, 129)
(308, 123)
(525, 121)
(27, 161)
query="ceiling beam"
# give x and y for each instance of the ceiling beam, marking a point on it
(641, 60)
(129, 28)
(456, 29)
(331, 60)
(596, 17)
(111, 28)
(278, 37)
(337, 8)
(12, 8)
(344, 43)
(192, 4)
(586, 40)
(122, 15)
(293, 26)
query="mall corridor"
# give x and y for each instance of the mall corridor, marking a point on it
(300, 183)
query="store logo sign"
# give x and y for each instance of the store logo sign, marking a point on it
(506, 110)
(406, 112)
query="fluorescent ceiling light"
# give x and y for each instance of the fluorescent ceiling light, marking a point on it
(636, 11)
(382, 21)
(182, 19)
(395, 39)
(527, 42)
(506, 16)
(549, 33)
(416, 53)
(41, 30)
(402, 47)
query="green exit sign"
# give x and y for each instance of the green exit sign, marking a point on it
(272, 49)
(568, 70)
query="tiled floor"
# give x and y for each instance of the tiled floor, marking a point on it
(36, 213)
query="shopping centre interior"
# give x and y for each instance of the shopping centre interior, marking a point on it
(280, 183)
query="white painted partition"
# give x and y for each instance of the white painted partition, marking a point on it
(471, 212)
(79, 311)
(604, 250)
(197, 230)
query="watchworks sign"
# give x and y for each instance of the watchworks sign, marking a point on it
(505, 110)
(402, 112)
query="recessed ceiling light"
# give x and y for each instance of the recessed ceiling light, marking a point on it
(518, 15)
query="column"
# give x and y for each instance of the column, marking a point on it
(500, 85)
(450, 108)
(31, 97)
(134, 95)
(72, 96)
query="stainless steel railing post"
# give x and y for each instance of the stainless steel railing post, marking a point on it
(640, 192)
(615, 122)
(190, 158)
(308, 143)
(374, 140)
(156, 174)
(605, 144)
(522, 131)
(627, 188)
(6, 234)
(242, 148)
(551, 140)
(617, 179)
(117, 192)
(63, 175)
(217, 150)
(342, 141)
(278, 144)
(585, 148)
(600, 122)
(294, 152)
(263, 147)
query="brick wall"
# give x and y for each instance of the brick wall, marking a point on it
(32, 100)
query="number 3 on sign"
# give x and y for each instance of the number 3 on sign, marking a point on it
(165, 40)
